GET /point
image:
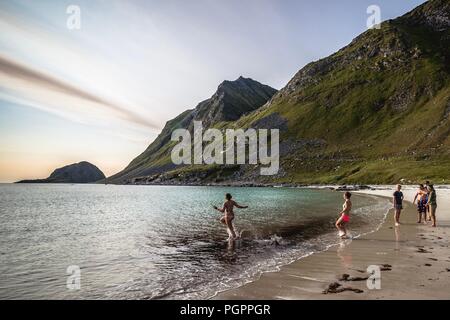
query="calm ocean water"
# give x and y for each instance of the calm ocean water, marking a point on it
(159, 242)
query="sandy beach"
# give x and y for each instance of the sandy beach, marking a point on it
(414, 261)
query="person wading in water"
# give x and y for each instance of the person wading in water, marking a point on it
(228, 218)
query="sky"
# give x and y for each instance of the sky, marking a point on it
(102, 93)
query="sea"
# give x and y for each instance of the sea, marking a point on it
(93, 241)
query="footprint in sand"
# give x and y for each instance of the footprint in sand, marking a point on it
(336, 287)
(347, 277)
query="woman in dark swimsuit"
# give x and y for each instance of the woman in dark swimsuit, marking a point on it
(227, 219)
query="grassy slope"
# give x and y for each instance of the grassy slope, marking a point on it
(382, 115)
(368, 139)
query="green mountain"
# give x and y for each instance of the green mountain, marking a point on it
(230, 102)
(376, 111)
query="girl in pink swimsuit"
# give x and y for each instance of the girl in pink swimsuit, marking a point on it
(229, 214)
(344, 217)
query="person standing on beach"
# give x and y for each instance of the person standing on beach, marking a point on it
(422, 198)
(228, 218)
(398, 204)
(344, 218)
(432, 204)
(427, 207)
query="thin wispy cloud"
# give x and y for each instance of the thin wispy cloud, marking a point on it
(25, 83)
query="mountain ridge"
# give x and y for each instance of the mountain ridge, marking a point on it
(231, 100)
(376, 111)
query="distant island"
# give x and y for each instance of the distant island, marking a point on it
(82, 172)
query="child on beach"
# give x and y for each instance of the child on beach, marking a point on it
(227, 219)
(398, 204)
(422, 199)
(344, 217)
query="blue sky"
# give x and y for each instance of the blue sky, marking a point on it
(103, 92)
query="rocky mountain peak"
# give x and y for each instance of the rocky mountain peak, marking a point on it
(232, 100)
(238, 84)
(434, 14)
(392, 46)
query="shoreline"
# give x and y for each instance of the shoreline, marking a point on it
(414, 259)
(377, 226)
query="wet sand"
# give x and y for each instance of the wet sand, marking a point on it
(416, 261)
